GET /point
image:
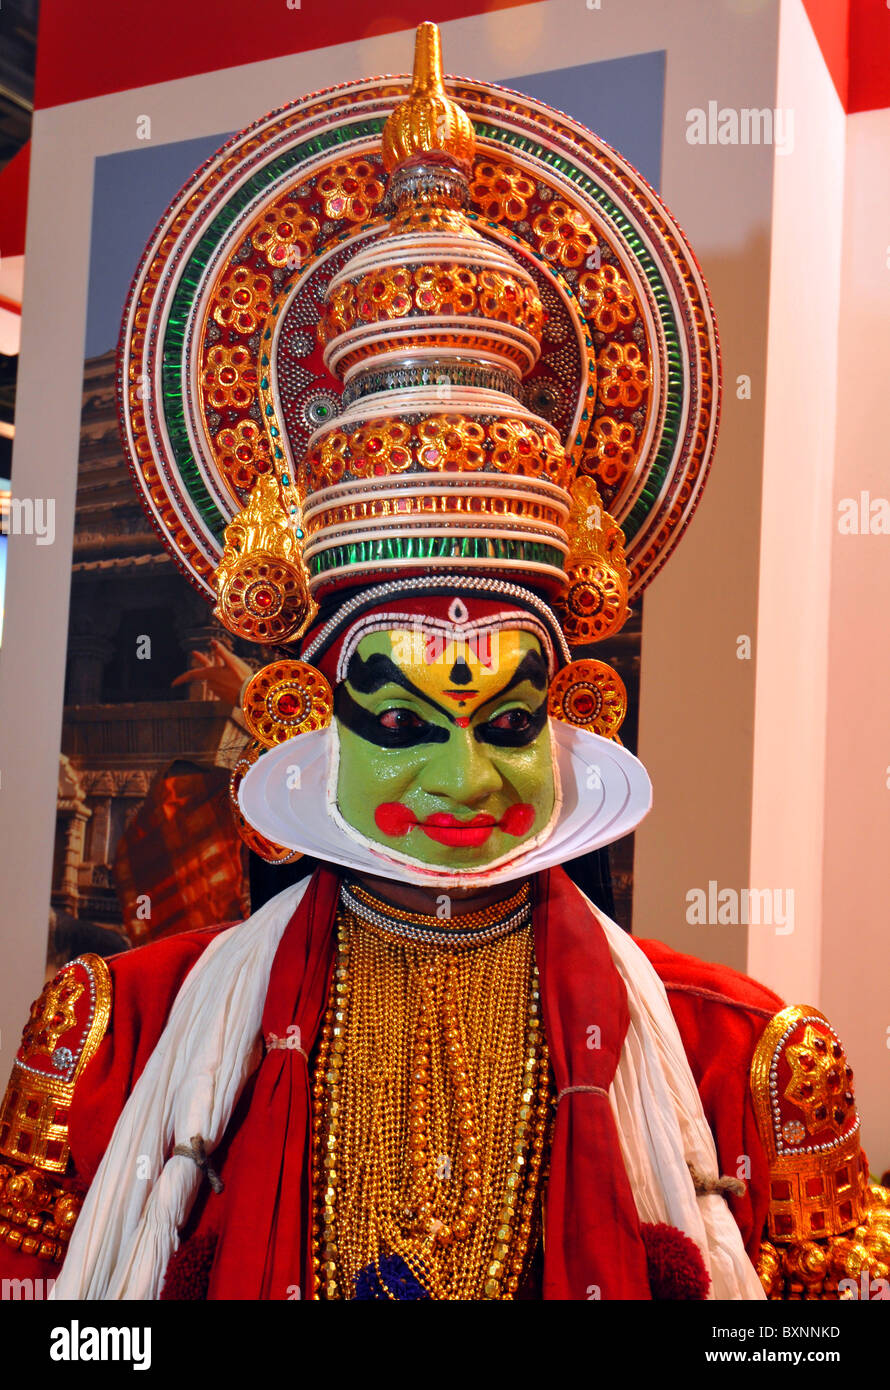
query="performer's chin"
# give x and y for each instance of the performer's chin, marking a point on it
(428, 858)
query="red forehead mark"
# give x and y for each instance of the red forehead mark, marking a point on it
(462, 720)
(478, 647)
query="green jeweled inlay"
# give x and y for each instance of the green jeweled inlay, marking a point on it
(397, 548)
(183, 299)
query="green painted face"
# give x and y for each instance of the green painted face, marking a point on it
(446, 757)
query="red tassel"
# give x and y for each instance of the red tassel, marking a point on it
(188, 1273)
(676, 1267)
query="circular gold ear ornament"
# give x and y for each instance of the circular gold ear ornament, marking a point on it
(589, 695)
(284, 699)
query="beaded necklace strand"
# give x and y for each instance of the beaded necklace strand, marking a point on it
(432, 1105)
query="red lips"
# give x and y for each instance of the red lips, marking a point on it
(394, 819)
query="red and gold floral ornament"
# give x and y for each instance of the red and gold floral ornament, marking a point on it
(285, 236)
(385, 295)
(589, 695)
(281, 701)
(284, 699)
(501, 191)
(351, 190)
(452, 443)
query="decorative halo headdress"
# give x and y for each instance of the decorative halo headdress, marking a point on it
(417, 336)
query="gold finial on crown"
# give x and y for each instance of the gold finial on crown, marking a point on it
(428, 121)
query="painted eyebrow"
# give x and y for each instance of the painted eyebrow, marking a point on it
(380, 670)
(367, 676)
(532, 668)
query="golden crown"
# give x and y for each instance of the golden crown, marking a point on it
(413, 326)
(436, 460)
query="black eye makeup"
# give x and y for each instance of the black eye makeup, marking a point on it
(396, 727)
(513, 728)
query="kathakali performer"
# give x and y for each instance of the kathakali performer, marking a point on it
(419, 381)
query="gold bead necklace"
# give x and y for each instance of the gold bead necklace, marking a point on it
(432, 1104)
(470, 928)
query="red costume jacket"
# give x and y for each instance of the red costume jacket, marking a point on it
(721, 1016)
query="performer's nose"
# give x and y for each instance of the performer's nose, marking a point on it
(460, 673)
(461, 770)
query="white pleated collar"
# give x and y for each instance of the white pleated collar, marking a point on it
(289, 795)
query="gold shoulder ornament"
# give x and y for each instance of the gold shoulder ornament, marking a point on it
(64, 1029)
(828, 1229)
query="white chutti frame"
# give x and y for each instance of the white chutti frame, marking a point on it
(603, 792)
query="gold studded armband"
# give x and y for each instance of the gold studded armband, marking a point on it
(828, 1230)
(37, 1208)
